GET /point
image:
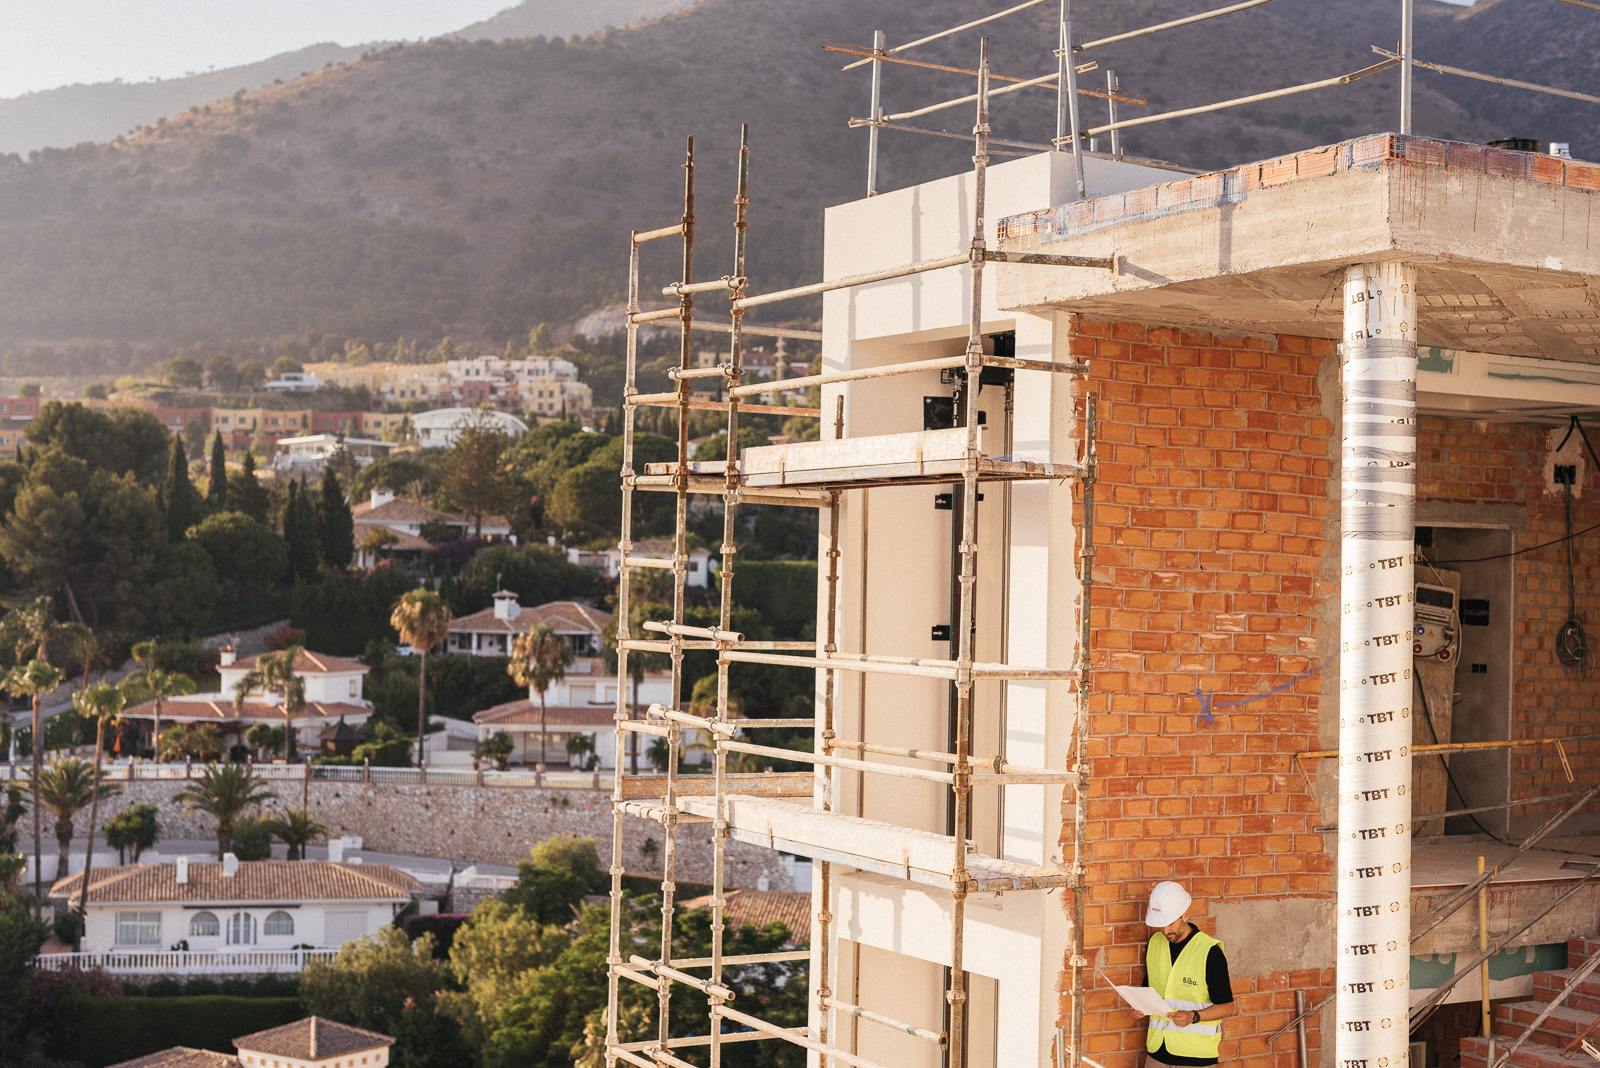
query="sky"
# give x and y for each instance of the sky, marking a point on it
(50, 43)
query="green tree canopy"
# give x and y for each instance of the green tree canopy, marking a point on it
(493, 958)
(224, 792)
(336, 543)
(178, 494)
(217, 472)
(247, 557)
(132, 831)
(372, 980)
(124, 441)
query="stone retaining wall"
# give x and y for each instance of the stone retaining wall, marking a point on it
(488, 824)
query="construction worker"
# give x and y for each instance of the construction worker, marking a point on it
(1188, 968)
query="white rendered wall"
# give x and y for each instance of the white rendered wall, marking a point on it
(894, 583)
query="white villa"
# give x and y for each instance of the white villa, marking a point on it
(440, 428)
(310, 1043)
(294, 382)
(215, 906)
(583, 702)
(405, 519)
(309, 452)
(333, 692)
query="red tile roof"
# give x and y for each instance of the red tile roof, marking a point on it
(526, 713)
(309, 663)
(220, 710)
(563, 617)
(312, 1039)
(181, 1057)
(256, 880)
(400, 510)
(757, 908)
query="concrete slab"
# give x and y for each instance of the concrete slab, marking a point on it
(1506, 244)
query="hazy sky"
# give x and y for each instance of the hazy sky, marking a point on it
(48, 43)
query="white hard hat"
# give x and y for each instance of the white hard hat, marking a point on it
(1168, 901)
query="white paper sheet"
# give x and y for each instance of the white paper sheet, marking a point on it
(1142, 998)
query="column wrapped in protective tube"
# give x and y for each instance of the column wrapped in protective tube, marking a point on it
(1377, 515)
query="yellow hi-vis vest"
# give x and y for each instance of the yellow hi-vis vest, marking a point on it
(1183, 983)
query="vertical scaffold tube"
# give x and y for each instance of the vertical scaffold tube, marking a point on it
(1377, 521)
(1080, 746)
(1067, 76)
(824, 980)
(876, 113)
(624, 710)
(680, 556)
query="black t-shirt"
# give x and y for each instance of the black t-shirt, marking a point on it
(1219, 990)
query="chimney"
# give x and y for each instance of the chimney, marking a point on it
(381, 495)
(336, 850)
(230, 865)
(226, 655)
(506, 606)
(183, 871)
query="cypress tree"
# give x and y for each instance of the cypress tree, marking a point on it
(217, 491)
(178, 494)
(336, 537)
(300, 534)
(246, 493)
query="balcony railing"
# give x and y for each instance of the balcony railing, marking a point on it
(185, 962)
(454, 776)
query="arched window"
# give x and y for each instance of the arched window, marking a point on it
(278, 923)
(241, 929)
(204, 925)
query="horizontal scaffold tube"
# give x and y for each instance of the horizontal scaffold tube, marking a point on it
(653, 316)
(791, 332)
(719, 371)
(712, 633)
(632, 1058)
(655, 646)
(896, 665)
(849, 280)
(893, 770)
(686, 719)
(647, 561)
(1003, 772)
(702, 1040)
(644, 728)
(734, 960)
(679, 288)
(1201, 17)
(887, 370)
(661, 1056)
(705, 986)
(638, 977)
(887, 1021)
(654, 235)
(789, 1036)
(674, 400)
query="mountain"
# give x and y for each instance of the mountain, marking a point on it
(476, 188)
(73, 114)
(70, 115)
(563, 18)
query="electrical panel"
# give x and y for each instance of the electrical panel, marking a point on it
(1434, 615)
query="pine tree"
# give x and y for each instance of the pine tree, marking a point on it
(178, 494)
(336, 538)
(246, 493)
(300, 534)
(217, 492)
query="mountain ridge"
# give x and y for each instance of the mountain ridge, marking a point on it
(477, 188)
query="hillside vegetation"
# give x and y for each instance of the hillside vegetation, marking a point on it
(477, 188)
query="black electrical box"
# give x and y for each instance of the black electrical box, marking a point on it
(1474, 613)
(941, 632)
(938, 413)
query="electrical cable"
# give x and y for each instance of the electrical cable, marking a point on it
(1572, 642)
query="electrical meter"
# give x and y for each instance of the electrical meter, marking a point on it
(1434, 616)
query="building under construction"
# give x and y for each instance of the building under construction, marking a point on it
(1226, 528)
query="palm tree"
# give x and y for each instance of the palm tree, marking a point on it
(539, 656)
(153, 683)
(422, 620)
(104, 703)
(133, 830)
(173, 745)
(205, 743)
(296, 829)
(83, 645)
(223, 792)
(34, 680)
(639, 664)
(274, 673)
(66, 788)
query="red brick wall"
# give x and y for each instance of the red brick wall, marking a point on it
(1216, 536)
(1213, 520)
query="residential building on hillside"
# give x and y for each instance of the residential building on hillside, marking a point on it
(232, 904)
(333, 694)
(294, 382)
(310, 1043)
(177, 420)
(439, 429)
(702, 563)
(347, 423)
(384, 425)
(489, 632)
(405, 520)
(309, 453)
(584, 701)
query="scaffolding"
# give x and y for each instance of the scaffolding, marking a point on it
(797, 812)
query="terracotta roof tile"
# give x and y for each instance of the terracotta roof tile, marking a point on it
(257, 880)
(310, 663)
(564, 617)
(526, 713)
(181, 1057)
(400, 510)
(312, 1039)
(757, 908)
